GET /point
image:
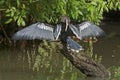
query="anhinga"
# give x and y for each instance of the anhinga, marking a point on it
(64, 31)
(42, 31)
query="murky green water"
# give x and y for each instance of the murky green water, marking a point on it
(109, 47)
(23, 64)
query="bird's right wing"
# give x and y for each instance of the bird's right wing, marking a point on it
(38, 30)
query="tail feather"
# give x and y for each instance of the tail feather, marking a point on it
(73, 46)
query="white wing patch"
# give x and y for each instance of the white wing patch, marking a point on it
(86, 25)
(58, 30)
(75, 30)
(43, 26)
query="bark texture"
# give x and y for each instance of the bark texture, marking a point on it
(86, 64)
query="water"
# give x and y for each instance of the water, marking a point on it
(109, 47)
(14, 66)
(28, 64)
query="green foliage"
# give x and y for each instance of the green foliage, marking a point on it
(14, 11)
(16, 15)
(115, 72)
(22, 11)
(113, 4)
(43, 58)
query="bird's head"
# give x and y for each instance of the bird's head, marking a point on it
(66, 20)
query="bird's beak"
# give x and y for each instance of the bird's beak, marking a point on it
(66, 27)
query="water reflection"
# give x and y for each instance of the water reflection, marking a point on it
(30, 64)
(16, 67)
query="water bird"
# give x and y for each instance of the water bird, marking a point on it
(43, 31)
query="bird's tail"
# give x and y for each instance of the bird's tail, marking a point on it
(73, 46)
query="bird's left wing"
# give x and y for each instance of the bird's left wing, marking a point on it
(87, 29)
(35, 31)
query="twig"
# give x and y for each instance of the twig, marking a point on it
(4, 30)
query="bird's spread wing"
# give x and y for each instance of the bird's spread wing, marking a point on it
(86, 29)
(57, 31)
(35, 31)
(73, 46)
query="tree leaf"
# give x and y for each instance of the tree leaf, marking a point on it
(8, 21)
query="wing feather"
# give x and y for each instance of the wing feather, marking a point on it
(73, 46)
(87, 29)
(35, 31)
(57, 31)
(75, 30)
